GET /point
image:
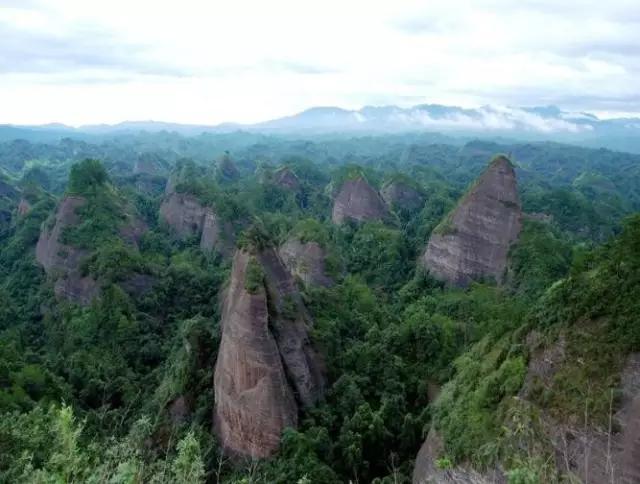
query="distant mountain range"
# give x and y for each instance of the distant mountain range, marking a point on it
(537, 123)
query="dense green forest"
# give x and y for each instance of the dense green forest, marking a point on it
(121, 389)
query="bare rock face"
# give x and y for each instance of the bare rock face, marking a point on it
(473, 242)
(426, 471)
(189, 218)
(170, 187)
(254, 402)
(146, 165)
(287, 179)
(62, 262)
(267, 368)
(184, 214)
(227, 169)
(133, 230)
(358, 201)
(24, 207)
(595, 455)
(306, 261)
(399, 195)
(290, 322)
(217, 235)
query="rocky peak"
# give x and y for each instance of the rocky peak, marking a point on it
(188, 218)
(24, 207)
(473, 241)
(287, 179)
(62, 262)
(266, 368)
(358, 201)
(306, 260)
(227, 169)
(253, 401)
(400, 195)
(291, 323)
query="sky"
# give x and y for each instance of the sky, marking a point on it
(206, 62)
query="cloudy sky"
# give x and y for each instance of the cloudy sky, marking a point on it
(209, 61)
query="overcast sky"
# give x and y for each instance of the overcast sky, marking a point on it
(209, 61)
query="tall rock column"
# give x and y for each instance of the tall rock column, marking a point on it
(62, 262)
(473, 242)
(254, 402)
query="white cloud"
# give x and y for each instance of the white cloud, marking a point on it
(212, 61)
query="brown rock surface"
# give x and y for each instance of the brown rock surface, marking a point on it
(189, 218)
(217, 235)
(306, 261)
(399, 195)
(183, 213)
(62, 262)
(290, 323)
(426, 471)
(254, 402)
(473, 242)
(285, 178)
(595, 455)
(24, 207)
(358, 201)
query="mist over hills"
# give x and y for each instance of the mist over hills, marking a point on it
(490, 122)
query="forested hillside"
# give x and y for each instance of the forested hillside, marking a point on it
(246, 308)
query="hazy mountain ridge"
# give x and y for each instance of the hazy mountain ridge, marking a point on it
(530, 123)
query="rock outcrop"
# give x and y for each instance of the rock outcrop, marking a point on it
(593, 454)
(290, 322)
(266, 367)
(286, 179)
(306, 261)
(254, 402)
(24, 207)
(189, 218)
(399, 195)
(227, 169)
(473, 241)
(358, 201)
(426, 471)
(62, 262)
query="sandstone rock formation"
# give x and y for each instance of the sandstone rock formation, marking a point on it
(593, 454)
(184, 214)
(146, 165)
(399, 195)
(227, 169)
(266, 367)
(24, 207)
(189, 218)
(358, 201)
(473, 241)
(306, 261)
(290, 322)
(286, 179)
(62, 262)
(254, 402)
(426, 471)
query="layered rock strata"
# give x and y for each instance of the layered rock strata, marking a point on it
(358, 201)
(306, 261)
(62, 262)
(266, 368)
(400, 196)
(189, 218)
(473, 242)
